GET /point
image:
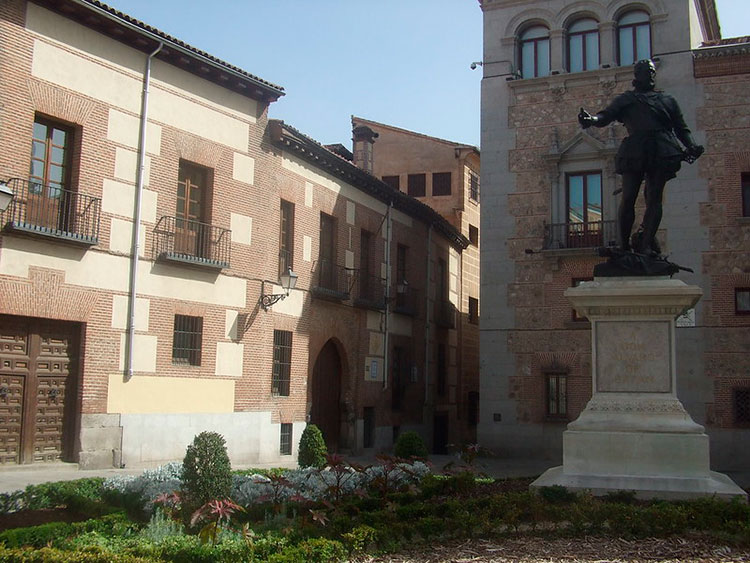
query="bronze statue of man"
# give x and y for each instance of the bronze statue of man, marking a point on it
(650, 151)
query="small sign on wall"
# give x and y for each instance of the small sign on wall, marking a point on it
(686, 319)
(373, 369)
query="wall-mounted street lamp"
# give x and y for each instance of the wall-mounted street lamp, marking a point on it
(287, 280)
(6, 196)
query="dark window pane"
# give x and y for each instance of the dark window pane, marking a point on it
(282, 362)
(575, 199)
(392, 181)
(742, 300)
(746, 195)
(441, 183)
(285, 441)
(187, 340)
(741, 405)
(416, 185)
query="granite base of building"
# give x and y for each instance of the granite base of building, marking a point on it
(634, 434)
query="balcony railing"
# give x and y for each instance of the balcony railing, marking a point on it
(331, 281)
(370, 291)
(579, 235)
(445, 314)
(49, 210)
(192, 242)
(405, 300)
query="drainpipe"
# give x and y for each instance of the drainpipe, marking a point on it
(388, 234)
(427, 318)
(137, 217)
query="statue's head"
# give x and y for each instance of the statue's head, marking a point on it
(644, 72)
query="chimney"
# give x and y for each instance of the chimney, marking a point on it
(363, 138)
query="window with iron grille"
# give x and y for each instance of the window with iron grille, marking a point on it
(286, 237)
(473, 235)
(282, 362)
(187, 340)
(557, 395)
(393, 181)
(416, 185)
(746, 194)
(741, 405)
(742, 300)
(285, 441)
(473, 186)
(473, 310)
(441, 183)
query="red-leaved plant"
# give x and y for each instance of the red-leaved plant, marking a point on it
(215, 513)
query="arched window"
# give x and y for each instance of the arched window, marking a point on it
(583, 45)
(535, 52)
(633, 37)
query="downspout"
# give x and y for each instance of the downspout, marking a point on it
(427, 318)
(133, 290)
(388, 235)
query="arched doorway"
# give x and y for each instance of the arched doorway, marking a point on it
(326, 395)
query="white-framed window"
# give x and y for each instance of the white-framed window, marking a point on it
(583, 45)
(633, 37)
(534, 52)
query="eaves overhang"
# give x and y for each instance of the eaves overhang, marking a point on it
(138, 35)
(294, 142)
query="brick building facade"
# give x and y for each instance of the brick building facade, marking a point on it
(444, 175)
(230, 201)
(549, 202)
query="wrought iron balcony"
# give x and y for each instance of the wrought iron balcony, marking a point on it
(52, 211)
(579, 235)
(370, 291)
(191, 242)
(405, 300)
(331, 281)
(445, 314)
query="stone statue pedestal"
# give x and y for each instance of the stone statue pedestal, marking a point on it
(634, 434)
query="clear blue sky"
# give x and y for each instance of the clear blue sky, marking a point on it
(401, 62)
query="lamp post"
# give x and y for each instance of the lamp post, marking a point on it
(6, 196)
(288, 281)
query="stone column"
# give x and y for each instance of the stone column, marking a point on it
(634, 433)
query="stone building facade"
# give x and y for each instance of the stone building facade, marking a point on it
(230, 201)
(444, 175)
(549, 201)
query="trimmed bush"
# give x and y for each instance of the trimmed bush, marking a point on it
(51, 555)
(410, 445)
(312, 448)
(315, 550)
(206, 471)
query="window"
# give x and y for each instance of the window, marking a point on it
(187, 340)
(473, 310)
(473, 186)
(583, 45)
(441, 183)
(282, 362)
(192, 235)
(286, 236)
(633, 37)
(285, 440)
(393, 181)
(557, 400)
(400, 376)
(584, 209)
(473, 235)
(366, 284)
(369, 427)
(327, 252)
(416, 185)
(472, 409)
(741, 405)
(742, 300)
(575, 283)
(746, 194)
(534, 56)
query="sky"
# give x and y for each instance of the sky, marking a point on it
(401, 62)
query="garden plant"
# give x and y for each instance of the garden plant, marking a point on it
(331, 513)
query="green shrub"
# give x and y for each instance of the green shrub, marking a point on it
(312, 448)
(52, 555)
(557, 494)
(206, 471)
(315, 550)
(54, 533)
(359, 539)
(410, 445)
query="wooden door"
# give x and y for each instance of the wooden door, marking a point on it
(38, 382)
(190, 232)
(326, 395)
(46, 204)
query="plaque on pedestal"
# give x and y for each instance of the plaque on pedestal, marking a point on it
(634, 433)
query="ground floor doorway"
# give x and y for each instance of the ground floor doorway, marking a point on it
(326, 395)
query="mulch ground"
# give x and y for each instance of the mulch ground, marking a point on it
(588, 550)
